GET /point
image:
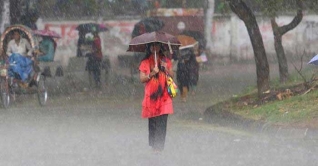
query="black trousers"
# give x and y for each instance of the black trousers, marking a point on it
(94, 66)
(157, 131)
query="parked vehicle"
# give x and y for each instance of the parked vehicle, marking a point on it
(10, 86)
(47, 48)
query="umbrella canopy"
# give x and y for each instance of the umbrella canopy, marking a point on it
(139, 43)
(48, 33)
(91, 27)
(314, 60)
(145, 25)
(197, 36)
(186, 41)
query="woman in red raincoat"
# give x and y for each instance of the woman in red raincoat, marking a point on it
(157, 103)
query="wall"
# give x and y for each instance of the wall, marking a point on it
(229, 36)
(114, 42)
(230, 32)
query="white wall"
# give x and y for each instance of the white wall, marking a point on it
(114, 42)
(229, 36)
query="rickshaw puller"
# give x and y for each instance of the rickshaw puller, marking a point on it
(19, 52)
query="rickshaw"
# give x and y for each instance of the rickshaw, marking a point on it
(10, 85)
(49, 44)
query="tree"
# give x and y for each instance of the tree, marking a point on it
(274, 6)
(5, 12)
(209, 12)
(249, 19)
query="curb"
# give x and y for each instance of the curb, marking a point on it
(227, 119)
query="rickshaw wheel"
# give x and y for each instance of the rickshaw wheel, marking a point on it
(12, 95)
(5, 94)
(42, 90)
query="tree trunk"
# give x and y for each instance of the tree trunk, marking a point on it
(5, 15)
(280, 53)
(262, 67)
(209, 11)
(278, 34)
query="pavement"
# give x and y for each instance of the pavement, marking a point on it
(92, 128)
(83, 125)
(217, 83)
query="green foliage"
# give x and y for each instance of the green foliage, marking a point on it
(290, 110)
(188, 3)
(276, 7)
(221, 7)
(78, 8)
(295, 109)
(90, 6)
(273, 8)
(311, 5)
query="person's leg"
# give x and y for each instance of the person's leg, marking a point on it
(151, 128)
(184, 93)
(160, 132)
(194, 89)
(96, 73)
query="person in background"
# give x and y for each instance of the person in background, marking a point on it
(193, 68)
(19, 52)
(183, 76)
(19, 45)
(157, 103)
(30, 18)
(46, 49)
(95, 59)
(81, 40)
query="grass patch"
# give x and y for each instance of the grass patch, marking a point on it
(297, 108)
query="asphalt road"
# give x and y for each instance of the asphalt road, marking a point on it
(96, 128)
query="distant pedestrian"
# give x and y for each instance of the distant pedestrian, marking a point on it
(30, 18)
(193, 69)
(186, 73)
(47, 49)
(95, 59)
(183, 78)
(157, 104)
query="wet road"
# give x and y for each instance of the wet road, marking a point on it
(72, 132)
(96, 129)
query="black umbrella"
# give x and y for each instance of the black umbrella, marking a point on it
(149, 24)
(91, 27)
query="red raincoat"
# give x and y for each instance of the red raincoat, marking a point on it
(163, 104)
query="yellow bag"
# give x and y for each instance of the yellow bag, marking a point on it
(172, 87)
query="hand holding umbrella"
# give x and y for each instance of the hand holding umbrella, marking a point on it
(140, 44)
(156, 61)
(155, 69)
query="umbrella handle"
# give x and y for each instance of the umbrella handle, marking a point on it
(170, 49)
(156, 63)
